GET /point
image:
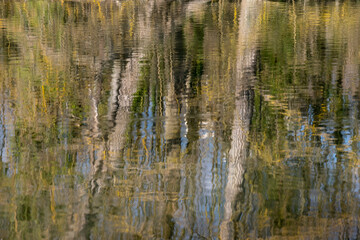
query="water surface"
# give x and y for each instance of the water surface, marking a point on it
(179, 119)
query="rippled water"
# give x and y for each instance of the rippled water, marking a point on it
(179, 119)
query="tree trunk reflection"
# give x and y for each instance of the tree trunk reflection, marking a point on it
(247, 44)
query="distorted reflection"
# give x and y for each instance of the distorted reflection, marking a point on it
(179, 119)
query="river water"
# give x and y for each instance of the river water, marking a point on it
(162, 119)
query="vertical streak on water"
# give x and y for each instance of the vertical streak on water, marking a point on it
(172, 127)
(351, 79)
(123, 86)
(85, 211)
(247, 43)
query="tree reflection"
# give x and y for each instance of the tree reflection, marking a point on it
(190, 119)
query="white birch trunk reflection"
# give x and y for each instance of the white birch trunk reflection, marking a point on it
(247, 42)
(351, 64)
(123, 87)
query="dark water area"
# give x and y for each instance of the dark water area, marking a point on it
(154, 119)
